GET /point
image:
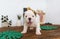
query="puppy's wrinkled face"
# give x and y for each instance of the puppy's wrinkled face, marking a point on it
(29, 16)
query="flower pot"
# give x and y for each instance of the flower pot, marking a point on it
(5, 24)
(18, 23)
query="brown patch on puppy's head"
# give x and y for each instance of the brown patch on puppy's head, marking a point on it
(28, 8)
(34, 12)
(31, 10)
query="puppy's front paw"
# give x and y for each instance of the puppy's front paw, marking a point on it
(40, 28)
(38, 33)
(23, 32)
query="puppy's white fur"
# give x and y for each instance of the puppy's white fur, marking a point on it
(35, 22)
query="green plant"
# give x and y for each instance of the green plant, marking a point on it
(19, 17)
(47, 27)
(10, 34)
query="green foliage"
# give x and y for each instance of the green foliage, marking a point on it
(19, 17)
(48, 27)
(10, 35)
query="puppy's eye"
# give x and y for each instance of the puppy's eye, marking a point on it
(25, 16)
(32, 16)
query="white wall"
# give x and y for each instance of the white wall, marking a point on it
(53, 11)
(14, 7)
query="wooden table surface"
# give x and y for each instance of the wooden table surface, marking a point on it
(46, 34)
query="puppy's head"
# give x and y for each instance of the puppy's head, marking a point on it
(29, 16)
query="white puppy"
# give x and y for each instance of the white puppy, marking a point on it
(31, 19)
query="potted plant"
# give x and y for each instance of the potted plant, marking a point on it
(18, 20)
(19, 17)
(4, 21)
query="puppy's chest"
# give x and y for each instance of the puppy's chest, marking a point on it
(31, 25)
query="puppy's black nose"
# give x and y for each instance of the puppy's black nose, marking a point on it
(29, 18)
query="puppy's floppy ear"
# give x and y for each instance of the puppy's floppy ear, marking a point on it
(34, 12)
(23, 14)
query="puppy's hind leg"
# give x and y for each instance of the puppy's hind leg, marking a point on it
(25, 29)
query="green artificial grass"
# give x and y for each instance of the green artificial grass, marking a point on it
(48, 27)
(10, 35)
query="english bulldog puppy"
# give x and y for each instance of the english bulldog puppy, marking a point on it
(31, 19)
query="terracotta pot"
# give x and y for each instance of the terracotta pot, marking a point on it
(5, 24)
(18, 23)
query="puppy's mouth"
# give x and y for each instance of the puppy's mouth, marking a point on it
(29, 22)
